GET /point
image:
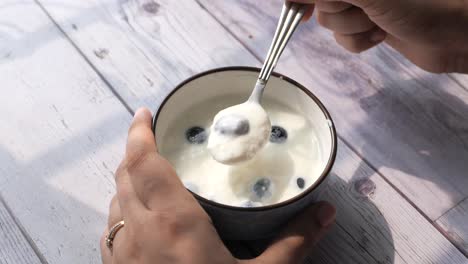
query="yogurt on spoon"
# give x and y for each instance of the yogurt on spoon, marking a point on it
(239, 132)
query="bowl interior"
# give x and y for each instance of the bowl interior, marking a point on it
(237, 84)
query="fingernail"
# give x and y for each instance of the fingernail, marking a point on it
(378, 36)
(139, 112)
(326, 214)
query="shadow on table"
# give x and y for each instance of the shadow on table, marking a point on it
(437, 133)
(360, 235)
(402, 105)
(363, 237)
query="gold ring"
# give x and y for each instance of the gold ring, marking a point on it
(112, 232)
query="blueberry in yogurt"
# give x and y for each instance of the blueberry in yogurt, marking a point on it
(300, 182)
(269, 177)
(250, 204)
(232, 125)
(278, 134)
(196, 135)
(262, 189)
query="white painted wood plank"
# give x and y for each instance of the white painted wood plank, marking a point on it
(61, 137)
(379, 219)
(151, 56)
(374, 223)
(14, 247)
(462, 79)
(338, 246)
(410, 125)
(144, 47)
(148, 66)
(62, 152)
(455, 225)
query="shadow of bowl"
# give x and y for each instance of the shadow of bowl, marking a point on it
(360, 235)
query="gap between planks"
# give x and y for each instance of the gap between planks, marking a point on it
(65, 35)
(366, 161)
(239, 23)
(37, 257)
(238, 247)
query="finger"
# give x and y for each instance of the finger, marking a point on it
(118, 244)
(309, 12)
(140, 139)
(361, 41)
(153, 178)
(300, 235)
(332, 7)
(129, 201)
(159, 187)
(114, 213)
(350, 21)
(136, 148)
(303, 1)
(367, 4)
(105, 252)
(141, 146)
(115, 216)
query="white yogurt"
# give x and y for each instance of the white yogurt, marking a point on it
(284, 168)
(248, 129)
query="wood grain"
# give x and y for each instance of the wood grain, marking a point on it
(62, 135)
(461, 79)
(58, 176)
(144, 47)
(455, 225)
(138, 46)
(14, 247)
(408, 124)
(379, 219)
(374, 223)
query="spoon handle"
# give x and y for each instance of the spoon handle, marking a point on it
(290, 17)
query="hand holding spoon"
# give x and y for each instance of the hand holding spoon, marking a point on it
(239, 132)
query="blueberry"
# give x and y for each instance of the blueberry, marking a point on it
(196, 135)
(262, 188)
(248, 204)
(278, 134)
(300, 182)
(232, 125)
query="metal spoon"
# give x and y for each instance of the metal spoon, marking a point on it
(291, 15)
(235, 123)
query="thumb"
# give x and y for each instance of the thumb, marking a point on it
(300, 236)
(140, 136)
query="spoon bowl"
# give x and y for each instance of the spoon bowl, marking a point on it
(238, 143)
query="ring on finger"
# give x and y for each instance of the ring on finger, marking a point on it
(112, 233)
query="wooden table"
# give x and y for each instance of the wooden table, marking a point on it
(73, 72)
